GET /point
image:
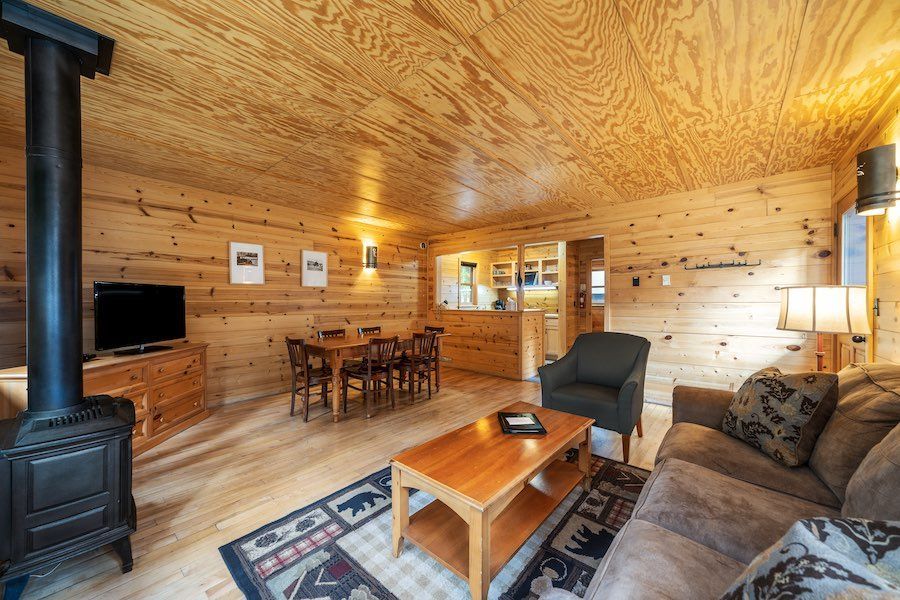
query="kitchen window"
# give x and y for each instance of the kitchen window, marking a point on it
(467, 285)
(598, 287)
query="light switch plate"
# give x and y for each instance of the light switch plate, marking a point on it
(667, 280)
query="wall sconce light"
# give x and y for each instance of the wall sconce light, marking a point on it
(371, 260)
(876, 180)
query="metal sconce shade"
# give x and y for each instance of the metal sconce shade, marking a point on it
(876, 180)
(371, 261)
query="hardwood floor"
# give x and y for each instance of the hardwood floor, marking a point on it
(250, 463)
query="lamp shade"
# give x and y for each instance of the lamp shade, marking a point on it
(825, 309)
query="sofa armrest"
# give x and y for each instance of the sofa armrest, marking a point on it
(702, 406)
(557, 374)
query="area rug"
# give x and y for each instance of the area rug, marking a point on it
(340, 546)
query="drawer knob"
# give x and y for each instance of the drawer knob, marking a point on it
(161, 369)
(134, 376)
(162, 394)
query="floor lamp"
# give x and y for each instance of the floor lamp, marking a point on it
(822, 309)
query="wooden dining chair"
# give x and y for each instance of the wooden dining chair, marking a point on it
(378, 367)
(417, 363)
(435, 330)
(369, 330)
(304, 376)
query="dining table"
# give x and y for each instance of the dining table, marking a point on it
(337, 350)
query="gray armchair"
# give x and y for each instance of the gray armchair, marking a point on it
(601, 377)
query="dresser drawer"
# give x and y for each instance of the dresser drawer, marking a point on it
(141, 405)
(160, 371)
(140, 432)
(179, 387)
(106, 382)
(171, 413)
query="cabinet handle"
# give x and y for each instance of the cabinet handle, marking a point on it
(134, 376)
(161, 370)
(162, 395)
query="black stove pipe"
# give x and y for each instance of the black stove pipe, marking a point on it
(53, 221)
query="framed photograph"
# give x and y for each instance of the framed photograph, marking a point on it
(246, 263)
(314, 268)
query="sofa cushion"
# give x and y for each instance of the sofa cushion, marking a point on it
(573, 397)
(648, 561)
(782, 415)
(733, 517)
(715, 450)
(826, 558)
(868, 408)
(874, 489)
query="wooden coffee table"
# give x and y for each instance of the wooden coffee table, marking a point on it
(492, 490)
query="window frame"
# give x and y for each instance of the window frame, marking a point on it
(846, 243)
(602, 271)
(472, 285)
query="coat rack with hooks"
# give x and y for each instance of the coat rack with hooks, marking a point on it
(723, 265)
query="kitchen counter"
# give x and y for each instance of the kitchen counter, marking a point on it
(507, 343)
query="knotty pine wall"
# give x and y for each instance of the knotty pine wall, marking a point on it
(883, 128)
(143, 230)
(709, 328)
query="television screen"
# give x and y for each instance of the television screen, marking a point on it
(133, 314)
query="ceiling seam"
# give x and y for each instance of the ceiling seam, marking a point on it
(687, 181)
(506, 81)
(790, 86)
(381, 92)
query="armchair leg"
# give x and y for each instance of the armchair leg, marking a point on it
(640, 428)
(626, 446)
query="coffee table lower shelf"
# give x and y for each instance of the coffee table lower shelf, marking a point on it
(443, 534)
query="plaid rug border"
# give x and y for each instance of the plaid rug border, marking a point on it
(241, 571)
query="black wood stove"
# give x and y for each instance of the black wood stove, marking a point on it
(65, 462)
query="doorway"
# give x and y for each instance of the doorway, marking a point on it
(586, 290)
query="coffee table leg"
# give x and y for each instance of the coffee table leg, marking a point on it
(479, 554)
(584, 459)
(400, 510)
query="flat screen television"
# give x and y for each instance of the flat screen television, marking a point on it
(136, 314)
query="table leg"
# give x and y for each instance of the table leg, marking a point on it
(400, 510)
(437, 364)
(337, 362)
(479, 554)
(584, 459)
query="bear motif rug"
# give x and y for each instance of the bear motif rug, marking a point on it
(340, 547)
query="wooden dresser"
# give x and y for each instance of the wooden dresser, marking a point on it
(168, 389)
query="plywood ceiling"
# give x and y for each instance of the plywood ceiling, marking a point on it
(439, 115)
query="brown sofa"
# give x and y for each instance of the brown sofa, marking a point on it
(713, 502)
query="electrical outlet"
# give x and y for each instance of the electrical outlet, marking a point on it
(635, 281)
(667, 280)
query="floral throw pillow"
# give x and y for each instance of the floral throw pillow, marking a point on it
(826, 558)
(782, 415)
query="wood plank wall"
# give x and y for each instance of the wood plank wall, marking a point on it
(883, 128)
(709, 328)
(143, 230)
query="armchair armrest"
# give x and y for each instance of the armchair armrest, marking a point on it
(556, 375)
(702, 406)
(631, 393)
